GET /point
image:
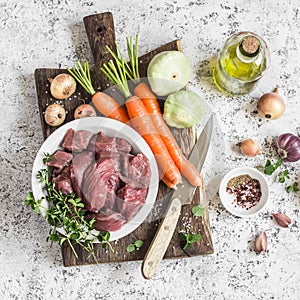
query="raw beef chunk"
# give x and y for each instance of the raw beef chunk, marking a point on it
(123, 145)
(107, 220)
(129, 201)
(95, 184)
(136, 171)
(60, 159)
(76, 141)
(79, 164)
(63, 181)
(112, 186)
(101, 143)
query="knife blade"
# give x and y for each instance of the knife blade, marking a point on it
(183, 195)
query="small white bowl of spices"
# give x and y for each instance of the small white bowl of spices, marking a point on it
(244, 191)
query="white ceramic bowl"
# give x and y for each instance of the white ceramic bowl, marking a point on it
(227, 198)
(111, 128)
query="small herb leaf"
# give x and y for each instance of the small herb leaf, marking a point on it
(195, 238)
(138, 243)
(130, 248)
(189, 238)
(198, 210)
(293, 187)
(269, 168)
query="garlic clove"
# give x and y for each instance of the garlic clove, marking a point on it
(261, 242)
(282, 220)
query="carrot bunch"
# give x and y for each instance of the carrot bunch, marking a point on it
(146, 118)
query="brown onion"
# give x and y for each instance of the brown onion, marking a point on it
(271, 106)
(250, 147)
(83, 111)
(55, 115)
(62, 86)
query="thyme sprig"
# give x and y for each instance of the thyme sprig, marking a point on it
(67, 212)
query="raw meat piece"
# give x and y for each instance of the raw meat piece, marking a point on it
(95, 184)
(68, 139)
(112, 186)
(92, 142)
(130, 200)
(136, 170)
(103, 143)
(59, 159)
(123, 145)
(139, 169)
(63, 181)
(79, 164)
(76, 141)
(107, 220)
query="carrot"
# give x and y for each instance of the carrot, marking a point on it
(109, 107)
(187, 169)
(105, 104)
(141, 120)
(143, 91)
(165, 180)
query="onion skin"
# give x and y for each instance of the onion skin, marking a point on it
(271, 106)
(62, 86)
(83, 111)
(55, 115)
(249, 147)
(288, 147)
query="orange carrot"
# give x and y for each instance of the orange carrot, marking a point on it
(187, 169)
(105, 104)
(109, 107)
(143, 91)
(141, 121)
(165, 180)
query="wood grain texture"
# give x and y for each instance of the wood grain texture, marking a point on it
(184, 137)
(101, 33)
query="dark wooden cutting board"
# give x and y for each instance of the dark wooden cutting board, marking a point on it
(100, 31)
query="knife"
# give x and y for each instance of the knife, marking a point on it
(183, 195)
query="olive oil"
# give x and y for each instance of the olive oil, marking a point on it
(241, 63)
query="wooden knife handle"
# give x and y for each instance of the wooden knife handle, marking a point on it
(161, 240)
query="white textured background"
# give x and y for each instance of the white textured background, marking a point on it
(40, 33)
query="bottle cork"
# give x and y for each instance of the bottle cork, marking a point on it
(250, 46)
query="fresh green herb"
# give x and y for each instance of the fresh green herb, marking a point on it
(293, 187)
(189, 239)
(47, 157)
(132, 247)
(283, 176)
(271, 168)
(67, 212)
(138, 243)
(198, 210)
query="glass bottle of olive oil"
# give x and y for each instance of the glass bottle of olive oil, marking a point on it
(241, 63)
